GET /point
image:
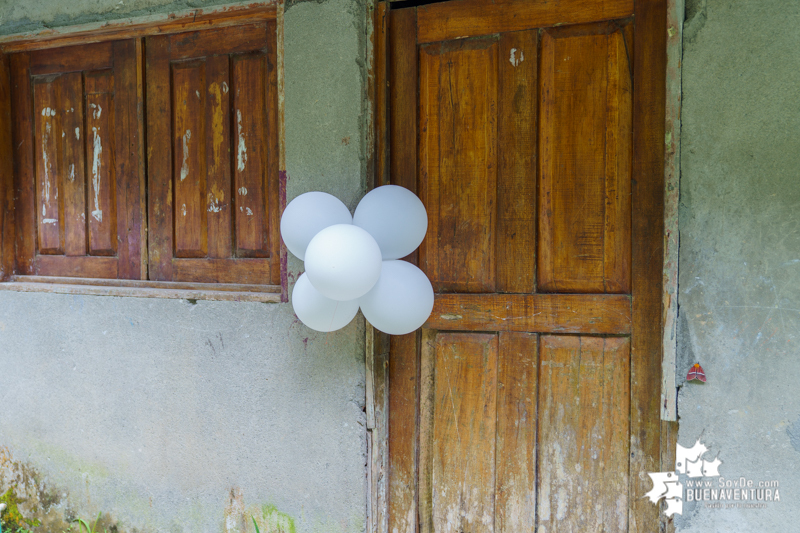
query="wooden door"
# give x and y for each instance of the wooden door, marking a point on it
(529, 400)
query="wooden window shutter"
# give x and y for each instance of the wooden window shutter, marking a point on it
(212, 160)
(78, 173)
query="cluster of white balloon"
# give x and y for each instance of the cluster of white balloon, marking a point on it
(353, 261)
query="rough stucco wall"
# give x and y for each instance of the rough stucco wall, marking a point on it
(17, 16)
(740, 252)
(171, 416)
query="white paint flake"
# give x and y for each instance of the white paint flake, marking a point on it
(46, 165)
(243, 191)
(197, 93)
(96, 163)
(71, 172)
(183, 210)
(516, 60)
(241, 156)
(78, 133)
(63, 134)
(248, 211)
(213, 204)
(185, 165)
(97, 111)
(48, 112)
(224, 87)
(49, 220)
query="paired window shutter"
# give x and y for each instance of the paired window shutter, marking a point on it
(78, 175)
(213, 156)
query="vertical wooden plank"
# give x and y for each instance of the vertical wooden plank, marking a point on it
(583, 434)
(128, 158)
(272, 154)
(572, 162)
(402, 68)
(429, 184)
(467, 169)
(425, 416)
(381, 82)
(377, 359)
(21, 109)
(99, 142)
(218, 153)
(515, 505)
(647, 235)
(159, 160)
(49, 220)
(6, 173)
(189, 171)
(251, 222)
(516, 174)
(464, 429)
(402, 486)
(617, 230)
(72, 165)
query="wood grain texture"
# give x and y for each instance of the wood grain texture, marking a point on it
(403, 99)
(249, 138)
(147, 284)
(647, 235)
(159, 290)
(546, 313)
(72, 165)
(470, 18)
(47, 133)
(464, 428)
(381, 95)
(24, 182)
(246, 38)
(159, 160)
(101, 179)
(129, 159)
(272, 154)
(252, 271)
(98, 56)
(458, 163)
(77, 267)
(584, 161)
(189, 153)
(218, 154)
(516, 173)
(516, 449)
(584, 401)
(6, 173)
(402, 428)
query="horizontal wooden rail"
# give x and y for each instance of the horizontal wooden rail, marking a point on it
(145, 288)
(601, 314)
(443, 21)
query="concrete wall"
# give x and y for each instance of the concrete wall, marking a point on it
(165, 415)
(740, 252)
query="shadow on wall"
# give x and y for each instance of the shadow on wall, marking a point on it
(35, 507)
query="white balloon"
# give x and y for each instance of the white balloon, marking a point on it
(395, 217)
(318, 312)
(401, 301)
(307, 215)
(343, 262)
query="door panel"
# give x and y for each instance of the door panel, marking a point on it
(511, 410)
(585, 160)
(584, 408)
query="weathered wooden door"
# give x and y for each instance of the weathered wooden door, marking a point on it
(530, 130)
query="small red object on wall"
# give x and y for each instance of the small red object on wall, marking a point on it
(696, 372)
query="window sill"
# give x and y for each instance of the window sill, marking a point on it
(145, 289)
